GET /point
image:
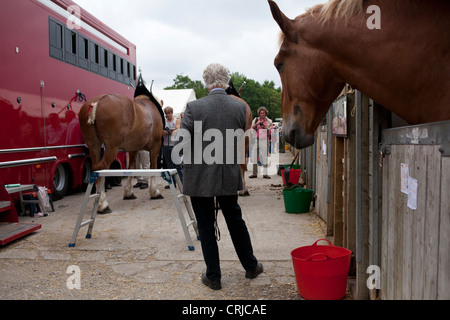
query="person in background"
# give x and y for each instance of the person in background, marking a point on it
(142, 162)
(172, 124)
(263, 127)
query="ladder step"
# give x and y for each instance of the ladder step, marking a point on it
(86, 222)
(190, 223)
(94, 196)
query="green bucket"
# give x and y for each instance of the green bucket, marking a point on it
(297, 200)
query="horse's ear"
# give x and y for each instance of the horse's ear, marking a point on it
(286, 24)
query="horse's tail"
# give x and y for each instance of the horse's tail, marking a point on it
(92, 113)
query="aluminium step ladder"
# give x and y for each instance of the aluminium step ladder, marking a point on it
(169, 175)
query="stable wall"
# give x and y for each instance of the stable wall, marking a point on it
(415, 241)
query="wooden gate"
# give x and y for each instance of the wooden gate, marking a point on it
(415, 215)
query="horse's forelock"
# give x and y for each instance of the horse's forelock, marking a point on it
(336, 9)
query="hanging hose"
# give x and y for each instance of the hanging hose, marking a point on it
(81, 97)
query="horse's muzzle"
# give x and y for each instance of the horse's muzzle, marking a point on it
(296, 137)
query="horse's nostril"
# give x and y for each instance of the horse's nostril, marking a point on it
(296, 137)
(289, 136)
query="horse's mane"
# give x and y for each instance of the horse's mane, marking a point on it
(231, 90)
(333, 9)
(336, 9)
(141, 90)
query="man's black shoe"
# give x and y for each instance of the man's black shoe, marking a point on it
(253, 274)
(137, 185)
(215, 285)
(144, 185)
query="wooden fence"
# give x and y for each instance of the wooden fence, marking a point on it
(415, 218)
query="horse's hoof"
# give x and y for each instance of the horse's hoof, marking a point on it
(245, 194)
(157, 197)
(132, 197)
(107, 210)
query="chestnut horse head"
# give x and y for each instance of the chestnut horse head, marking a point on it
(402, 64)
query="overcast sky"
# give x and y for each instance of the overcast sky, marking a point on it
(183, 36)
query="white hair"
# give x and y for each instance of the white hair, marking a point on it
(216, 76)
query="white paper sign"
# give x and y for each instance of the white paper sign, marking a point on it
(412, 193)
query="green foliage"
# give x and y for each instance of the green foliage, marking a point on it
(254, 93)
(184, 82)
(257, 95)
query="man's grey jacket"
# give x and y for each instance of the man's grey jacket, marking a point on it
(213, 122)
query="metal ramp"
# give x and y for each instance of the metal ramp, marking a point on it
(169, 175)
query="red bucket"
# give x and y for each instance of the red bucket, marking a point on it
(321, 271)
(294, 176)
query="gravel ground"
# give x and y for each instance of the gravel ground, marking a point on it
(139, 251)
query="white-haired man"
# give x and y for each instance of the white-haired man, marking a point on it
(221, 180)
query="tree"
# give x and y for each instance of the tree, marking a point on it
(184, 82)
(257, 95)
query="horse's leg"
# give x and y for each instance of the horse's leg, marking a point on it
(153, 191)
(127, 190)
(92, 141)
(94, 146)
(108, 157)
(94, 153)
(244, 191)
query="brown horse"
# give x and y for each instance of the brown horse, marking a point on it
(120, 123)
(402, 64)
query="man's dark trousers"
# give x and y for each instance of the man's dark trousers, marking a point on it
(204, 209)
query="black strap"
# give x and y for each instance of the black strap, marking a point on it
(295, 158)
(216, 225)
(287, 171)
